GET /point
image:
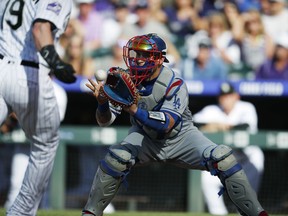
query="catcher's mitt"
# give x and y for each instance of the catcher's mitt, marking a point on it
(119, 89)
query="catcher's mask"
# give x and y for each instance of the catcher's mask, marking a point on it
(141, 55)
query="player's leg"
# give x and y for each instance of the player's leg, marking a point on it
(18, 168)
(198, 152)
(220, 161)
(36, 109)
(3, 110)
(3, 116)
(113, 170)
(3, 90)
(110, 174)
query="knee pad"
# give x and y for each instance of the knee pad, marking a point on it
(220, 161)
(117, 161)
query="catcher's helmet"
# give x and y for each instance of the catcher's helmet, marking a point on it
(141, 55)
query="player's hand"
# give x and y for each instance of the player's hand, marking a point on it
(131, 109)
(64, 72)
(95, 86)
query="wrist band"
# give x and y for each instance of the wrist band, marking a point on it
(103, 107)
(50, 55)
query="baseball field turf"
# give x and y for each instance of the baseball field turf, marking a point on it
(120, 213)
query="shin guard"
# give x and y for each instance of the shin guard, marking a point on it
(242, 194)
(221, 162)
(103, 190)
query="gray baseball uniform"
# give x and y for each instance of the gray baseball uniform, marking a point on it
(185, 137)
(26, 89)
(162, 130)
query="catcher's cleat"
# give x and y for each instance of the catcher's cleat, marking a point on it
(87, 213)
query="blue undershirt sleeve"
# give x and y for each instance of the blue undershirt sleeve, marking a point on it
(156, 120)
(103, 107)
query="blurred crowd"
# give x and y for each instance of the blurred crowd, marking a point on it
(207, 39)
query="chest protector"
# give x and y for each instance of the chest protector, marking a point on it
(163, 89)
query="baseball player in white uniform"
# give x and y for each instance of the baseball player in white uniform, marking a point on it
(162, 131)
(27, 56)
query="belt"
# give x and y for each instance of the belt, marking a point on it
(24, 62)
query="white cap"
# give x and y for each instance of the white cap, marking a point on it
(282, 40)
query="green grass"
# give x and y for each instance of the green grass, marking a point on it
(78, 213)
(120, 213)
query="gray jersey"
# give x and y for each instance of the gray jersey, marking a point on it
(169, 94)
(26, 89)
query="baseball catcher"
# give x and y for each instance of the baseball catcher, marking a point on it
(162, 128)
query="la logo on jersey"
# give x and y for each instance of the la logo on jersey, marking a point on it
(55, 7)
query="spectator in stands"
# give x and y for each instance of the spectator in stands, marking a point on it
(92, 23)
(207, 7)
(276, 67)
(201, 63)
(264, 7)
(235, 24)
(211, 6)
(115, 59)
(105, 7)
(246, 5)
(276, 17)
(145, 24)
(231, 113)
(74, 54)
(156, 10)
(233, 17)
(113, 26)
(182, 20)
(256, 45)
(222, 39)
(73, 27)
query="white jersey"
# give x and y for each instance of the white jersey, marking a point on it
(17, 17)
(243, 112)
